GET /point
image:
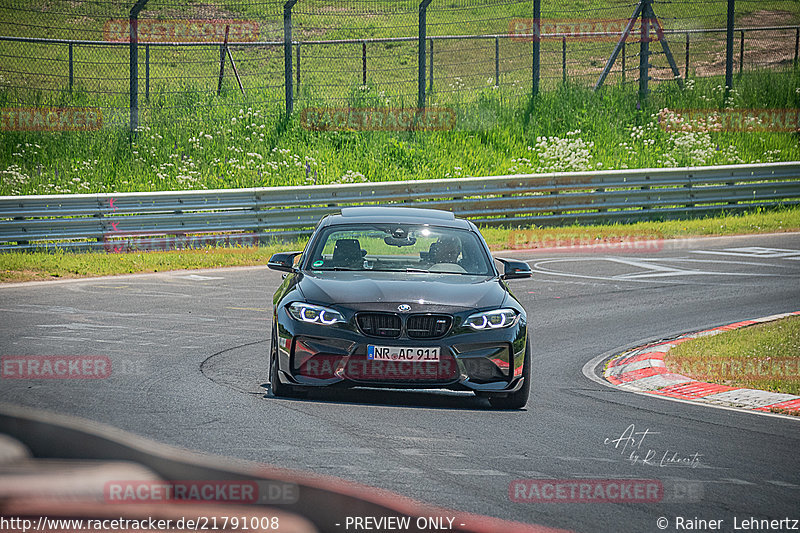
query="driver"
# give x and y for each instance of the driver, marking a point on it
(448, 249)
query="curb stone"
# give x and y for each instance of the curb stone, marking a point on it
(642, 369)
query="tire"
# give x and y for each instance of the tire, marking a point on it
(518, 399)
(278, 389)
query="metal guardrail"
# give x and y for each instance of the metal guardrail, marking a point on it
(178, 219)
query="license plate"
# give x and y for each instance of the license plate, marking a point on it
(401, 353)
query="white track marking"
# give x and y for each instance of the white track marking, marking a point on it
(651, 269)
(783, 484)
(197, 277)
(474, 472)
(755, 252)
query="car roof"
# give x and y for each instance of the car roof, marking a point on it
(391, 214)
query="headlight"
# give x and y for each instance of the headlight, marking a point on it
(314, 314)
(499, 318)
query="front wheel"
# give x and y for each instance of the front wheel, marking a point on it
(517, 399)
(278, 389)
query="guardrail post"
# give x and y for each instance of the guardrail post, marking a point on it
(287, 55)
(600, 191)
(729, 46)
(134, 63)
(536, 51)
(423, 27)
(70, 68)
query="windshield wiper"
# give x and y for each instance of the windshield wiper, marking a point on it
(424, 271)
(339, 269)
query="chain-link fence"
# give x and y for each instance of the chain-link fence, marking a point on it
(196, 59)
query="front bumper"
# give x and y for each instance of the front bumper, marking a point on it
(322, 356)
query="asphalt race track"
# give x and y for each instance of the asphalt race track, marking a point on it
(189, 354)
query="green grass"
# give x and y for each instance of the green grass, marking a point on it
(64, 265)
(763, 356)
(25, 266)
(761, 221)
(333, 68)
(570, 128)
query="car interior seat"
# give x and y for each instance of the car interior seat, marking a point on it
(347, 253)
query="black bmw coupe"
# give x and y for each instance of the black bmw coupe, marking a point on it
(402, 298)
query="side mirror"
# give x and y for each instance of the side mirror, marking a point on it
(283, 261)
(515, 269)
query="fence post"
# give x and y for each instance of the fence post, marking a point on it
(644, 51)
(430, 69)
(621, 44)
(686, 70)
(796, 44)
(497, 61)
(147, 71)
(222, 61)
(134, 63)
(537, 36)
(423, 26)
(134, 74)
(623, 62)
(563, 59)
(741, 53)
(364, 62)
(298, 66)
(287, 55)
(729, 46)
(70, 68)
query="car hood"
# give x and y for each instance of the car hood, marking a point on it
(381, 288)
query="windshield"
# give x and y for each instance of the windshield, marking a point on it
(400, 248)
